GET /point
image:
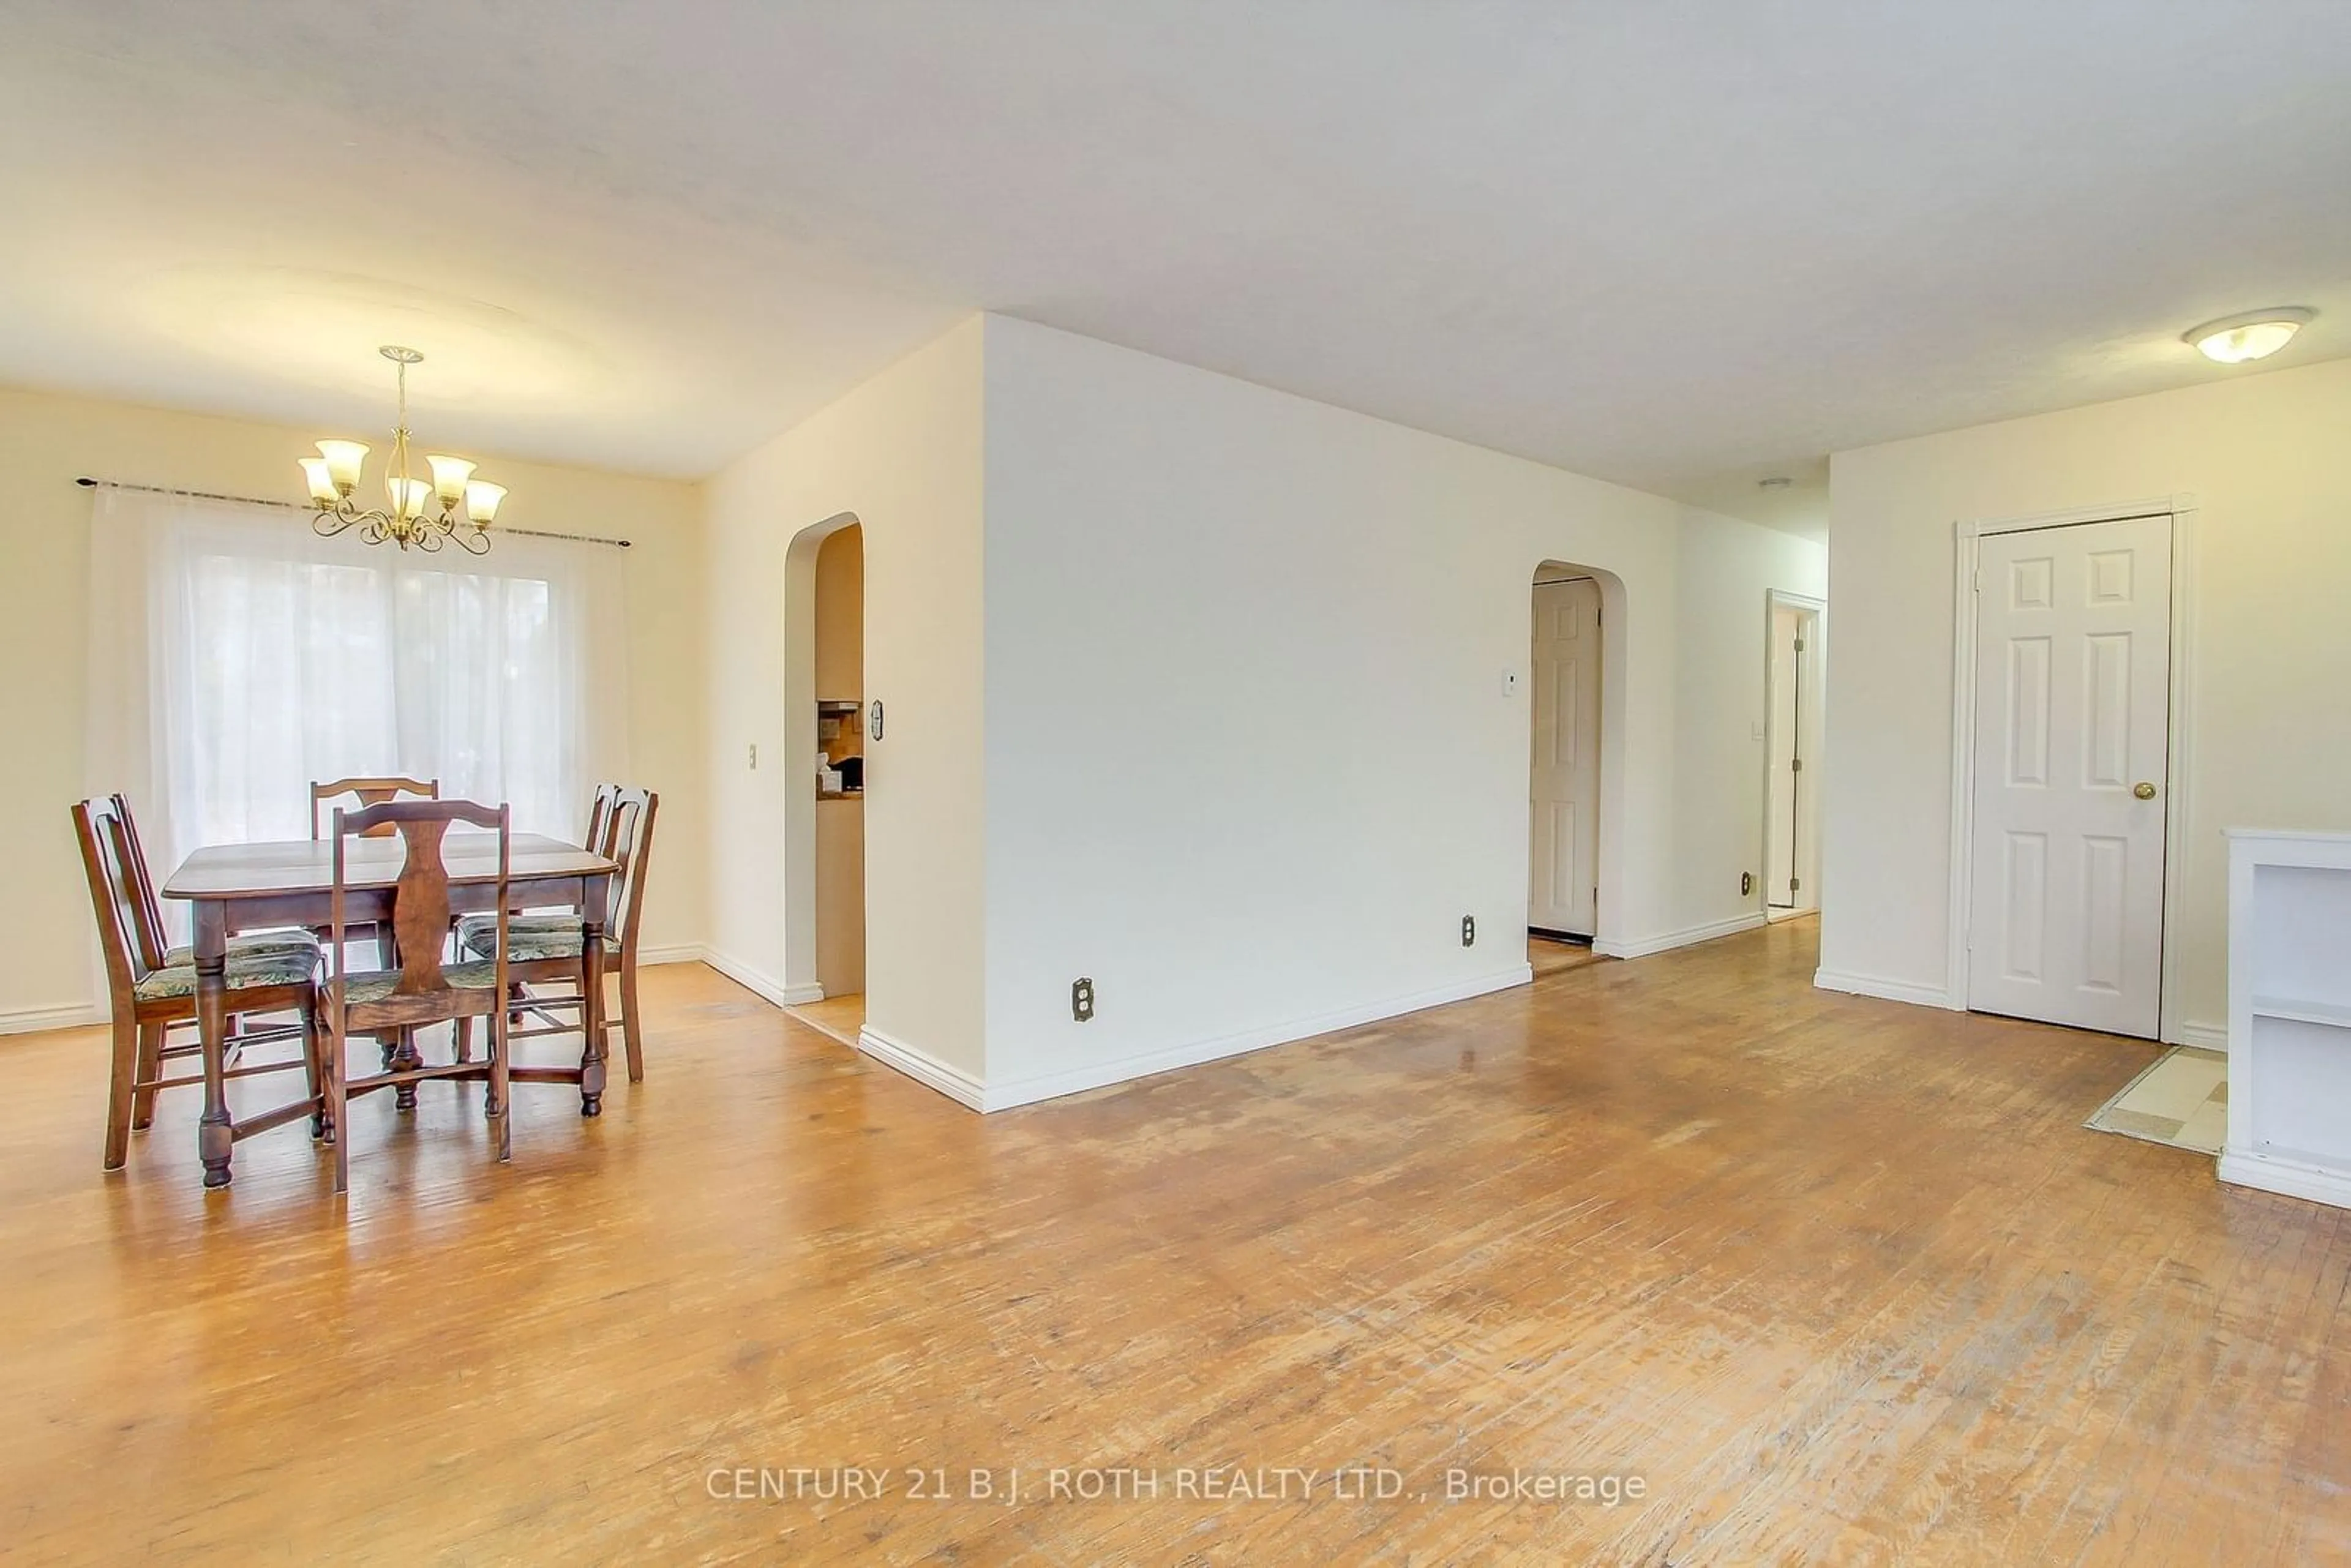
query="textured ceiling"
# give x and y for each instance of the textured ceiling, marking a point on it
(1679, 245)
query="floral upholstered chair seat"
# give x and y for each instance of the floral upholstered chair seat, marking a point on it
(530, 938)
(253, 945)
(244, 971)
(379, 984)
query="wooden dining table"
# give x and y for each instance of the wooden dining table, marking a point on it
(231, 888)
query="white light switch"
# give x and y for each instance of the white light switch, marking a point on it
(1510, 683)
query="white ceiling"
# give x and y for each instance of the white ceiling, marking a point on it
(1681, 245)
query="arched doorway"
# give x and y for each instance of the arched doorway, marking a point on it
(1574, 772)
(823, 775)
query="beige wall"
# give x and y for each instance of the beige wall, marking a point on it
(903, 454)
(1250, 755)
(2269, 456)
(1243, 653)
(47, 441)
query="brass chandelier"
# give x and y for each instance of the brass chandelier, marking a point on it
(423, 514)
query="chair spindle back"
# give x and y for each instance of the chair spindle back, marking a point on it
(420, 900)
(627, 842)
(107, 857)
(372, 792)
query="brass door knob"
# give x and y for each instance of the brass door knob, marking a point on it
(2145, 791)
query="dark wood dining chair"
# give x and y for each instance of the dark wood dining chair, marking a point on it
(549, 950)
(148, 996)
(154, 941)
(599, 811)
(370, 791)
(157, 952)
(425, 988)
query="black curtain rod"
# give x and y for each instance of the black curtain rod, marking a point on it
(86, 483)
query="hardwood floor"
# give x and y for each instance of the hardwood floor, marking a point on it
(841, 1017)
(1547, 957)
(1834, 1279)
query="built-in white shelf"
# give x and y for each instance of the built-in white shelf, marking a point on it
(2298, 1009)
(2290, 1014)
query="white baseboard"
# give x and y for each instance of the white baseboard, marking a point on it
(1099, 1074)
(2205, 1036)
(1642, 946)
(2296, 1179)
(1884, 990)
(924, 1068)
(676, 953)
(765, 985)
(32, 1020)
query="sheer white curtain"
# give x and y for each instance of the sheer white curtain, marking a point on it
(235, 656)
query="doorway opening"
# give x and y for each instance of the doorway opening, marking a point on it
(1564, 780)
(839, 625)
(824, 778)
(1791, 728)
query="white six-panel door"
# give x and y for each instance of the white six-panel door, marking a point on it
(1565, 790)
(2072, 717)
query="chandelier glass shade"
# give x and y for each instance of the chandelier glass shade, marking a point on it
(420, 513)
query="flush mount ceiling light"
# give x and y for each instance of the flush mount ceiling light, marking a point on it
(423, 512)
(2255, 335)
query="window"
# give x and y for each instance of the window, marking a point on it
(236, 656)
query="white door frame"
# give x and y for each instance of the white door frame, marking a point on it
(1967, 535)
(1774, 601)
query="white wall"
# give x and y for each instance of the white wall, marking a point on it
(1249, 759)
(46, 932)
(2267, 454)
(1727, 569)
(903, 454)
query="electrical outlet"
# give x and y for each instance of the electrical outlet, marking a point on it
(1081, 1000)
(1746, 883)
(1469, 931)
(755, 756)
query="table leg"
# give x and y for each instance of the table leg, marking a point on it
(592, 1007)
(400, 1052)
(215, 1132)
